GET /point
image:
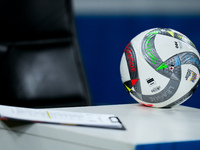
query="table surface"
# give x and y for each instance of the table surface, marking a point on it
(144, 125)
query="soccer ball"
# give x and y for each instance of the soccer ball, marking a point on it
(160, 68)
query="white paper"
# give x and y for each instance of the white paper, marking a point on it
(60, 117)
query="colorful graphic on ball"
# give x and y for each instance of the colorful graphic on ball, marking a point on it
(160, 67)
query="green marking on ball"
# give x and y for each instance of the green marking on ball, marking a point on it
(162, 66)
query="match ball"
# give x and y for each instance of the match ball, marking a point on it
(160, 68)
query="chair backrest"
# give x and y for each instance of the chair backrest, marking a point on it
(40, 61)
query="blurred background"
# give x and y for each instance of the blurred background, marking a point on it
(105, 27)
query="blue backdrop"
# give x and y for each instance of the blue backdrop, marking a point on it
(102, 40)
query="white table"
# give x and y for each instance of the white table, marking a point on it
(144, 125)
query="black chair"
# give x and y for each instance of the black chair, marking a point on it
(40, 61)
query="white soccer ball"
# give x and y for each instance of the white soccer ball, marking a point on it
(160, 68)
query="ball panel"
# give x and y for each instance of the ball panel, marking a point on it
(151, 81)
(132, 84)
(136, 41)
(163, 95)
(182, 37)
(149, 51)
(178, 101)
(125, 76)
(131, 61)
(190, 77)
(190, 58)
(166, 46)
